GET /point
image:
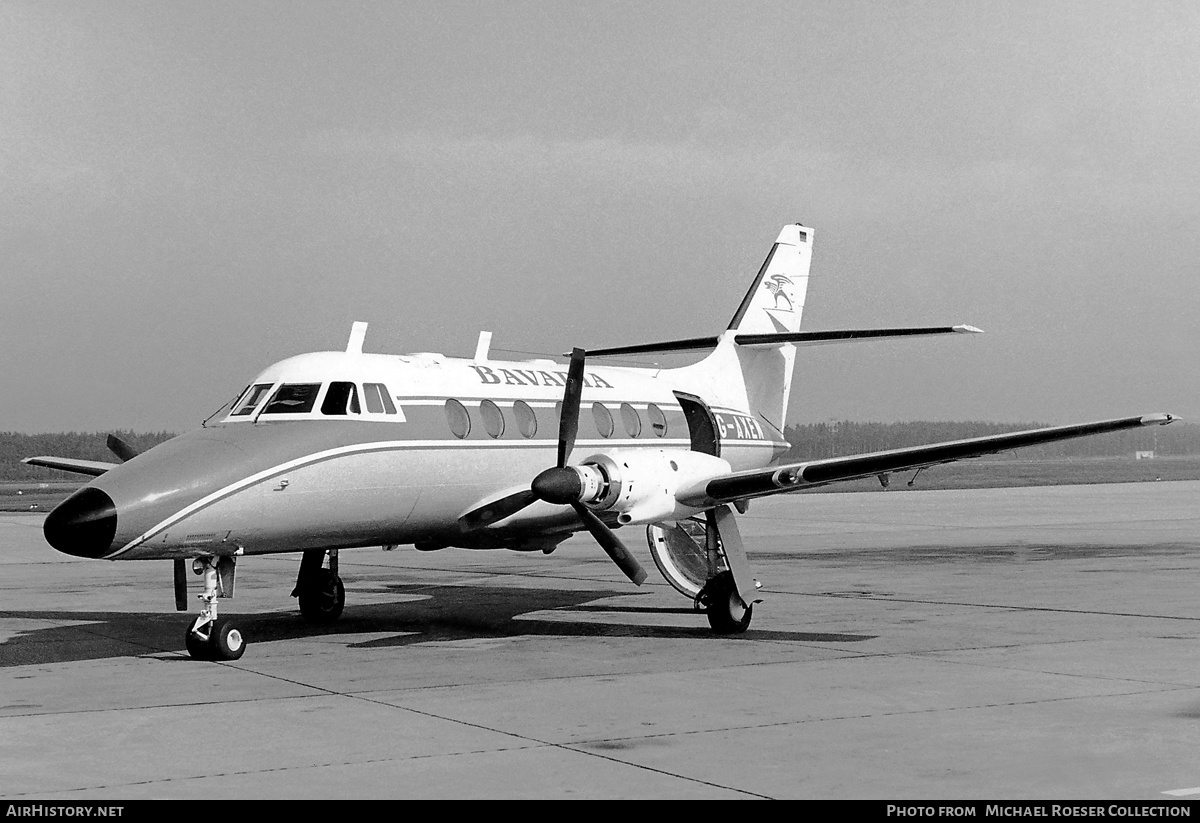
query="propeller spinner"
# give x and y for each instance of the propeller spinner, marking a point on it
(561, 484)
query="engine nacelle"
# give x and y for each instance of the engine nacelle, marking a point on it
(642, 484)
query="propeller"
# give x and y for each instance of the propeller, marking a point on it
(120, 448)
(561, 485)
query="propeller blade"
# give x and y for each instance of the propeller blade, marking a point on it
(568, 422)
(120, 448)
(611, 544)
(496, 511)
(558, 484)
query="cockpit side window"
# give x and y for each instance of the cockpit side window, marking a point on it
(342, 398)
(250, 399)
(293, 398)
(378, 399)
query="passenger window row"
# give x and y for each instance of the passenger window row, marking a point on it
(458, 417)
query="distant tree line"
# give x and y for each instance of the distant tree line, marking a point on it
(80, 445)
(810, 441)
(833, 439)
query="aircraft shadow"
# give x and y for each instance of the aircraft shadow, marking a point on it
(445, 613)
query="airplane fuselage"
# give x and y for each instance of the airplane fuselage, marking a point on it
(371, 449)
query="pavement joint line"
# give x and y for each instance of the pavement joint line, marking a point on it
(362, 697)
(563, 746)
(246, 772)
(799, 721)
(998, 606)
(145, 706)
(1167, 686)
(843, 654)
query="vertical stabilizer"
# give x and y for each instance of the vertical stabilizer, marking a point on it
(759, 378)
(775, 301)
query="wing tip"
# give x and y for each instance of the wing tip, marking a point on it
(92, 468)
(965, 329)
(1158, 419)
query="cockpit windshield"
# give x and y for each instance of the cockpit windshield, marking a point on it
(336, 399)
(250, 399)
(293, 398)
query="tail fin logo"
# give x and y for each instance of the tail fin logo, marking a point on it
(778, 285)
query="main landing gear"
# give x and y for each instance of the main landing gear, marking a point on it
(727, 612)
(705, 561)
(319, 589)
(211, 637)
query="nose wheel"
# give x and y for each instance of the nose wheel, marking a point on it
(211, 637)
(218, 639)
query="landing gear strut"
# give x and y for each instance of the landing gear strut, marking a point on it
(319, 588)
(706, 561)
(210, 637)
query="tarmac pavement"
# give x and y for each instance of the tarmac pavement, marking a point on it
(1038, 643)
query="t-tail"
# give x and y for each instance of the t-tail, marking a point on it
(750, 366)
(751, 363)
(761, 374)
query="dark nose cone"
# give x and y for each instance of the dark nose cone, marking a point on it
(82, 525)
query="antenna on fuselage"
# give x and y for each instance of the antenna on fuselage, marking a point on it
(481, 348)
(358, 333)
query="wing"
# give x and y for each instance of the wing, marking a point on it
(95, 468)
(795, 476)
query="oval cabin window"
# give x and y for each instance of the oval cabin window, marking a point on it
(526, 419)
(493, 418)
(658, 420)
(603, 418)
(631, 419)
(458, 418)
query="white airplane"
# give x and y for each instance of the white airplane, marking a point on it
(338, 450)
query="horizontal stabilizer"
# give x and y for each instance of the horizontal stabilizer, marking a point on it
(694, 344)
(94, 468)
(798, 338)
(795, 476)
(812, 338)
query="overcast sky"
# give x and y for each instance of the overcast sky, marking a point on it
(191, 191)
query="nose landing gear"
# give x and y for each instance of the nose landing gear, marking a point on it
(211, 637)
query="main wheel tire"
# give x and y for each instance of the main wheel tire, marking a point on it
(727, 613)
(197, 645)
(226, 641)
(323, 598)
